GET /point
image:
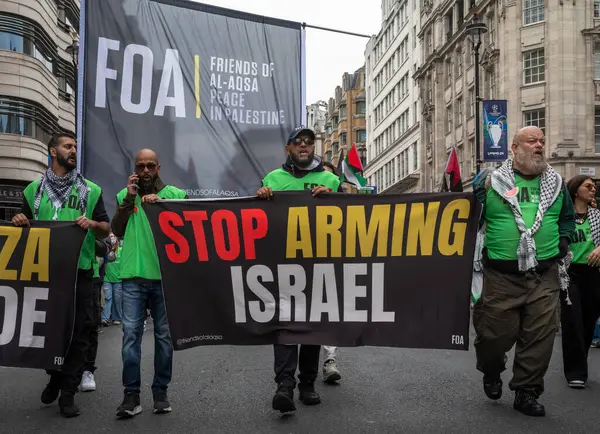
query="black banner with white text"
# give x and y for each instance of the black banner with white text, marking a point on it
(38, 273)
(339, 269)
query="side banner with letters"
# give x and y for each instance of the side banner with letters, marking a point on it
(340, 269)
(38, 273)
(215, 92)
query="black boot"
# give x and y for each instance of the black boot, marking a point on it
(51, 391)
(308, 395)
(284, 399)
(526, 403)
(492, 386)
(67, 406)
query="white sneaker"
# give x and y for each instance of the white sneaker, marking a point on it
(577, 384)
(331, 374)
(88, 384)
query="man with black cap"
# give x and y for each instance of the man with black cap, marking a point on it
(302, 170)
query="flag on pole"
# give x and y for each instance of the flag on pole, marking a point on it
(453, 181)
(352, 168)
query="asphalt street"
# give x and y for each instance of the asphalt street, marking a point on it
(229, 390)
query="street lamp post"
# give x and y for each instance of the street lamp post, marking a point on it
(475, 30)
(73, 50)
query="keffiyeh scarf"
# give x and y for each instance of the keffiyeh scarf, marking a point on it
(502, 181)
(58, 189)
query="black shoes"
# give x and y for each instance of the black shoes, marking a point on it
(527, 404)
(284, 399)
(161, 403)
(50, 392)
(130, 406)
(308, 395)
(66, 404)
(492, 386)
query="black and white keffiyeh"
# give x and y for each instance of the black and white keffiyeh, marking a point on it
(58, 189)
(594, 219)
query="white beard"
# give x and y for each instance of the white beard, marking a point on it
(529, 164)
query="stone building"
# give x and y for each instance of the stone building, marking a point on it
(542, 57)
(37, 78)
(345, 121)
(393, 107)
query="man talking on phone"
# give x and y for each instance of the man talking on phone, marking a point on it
(140, 274)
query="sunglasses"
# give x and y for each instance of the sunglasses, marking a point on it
(590, 186)
(299, 140)
(142, 166)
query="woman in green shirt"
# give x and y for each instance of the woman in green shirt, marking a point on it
(581, 310)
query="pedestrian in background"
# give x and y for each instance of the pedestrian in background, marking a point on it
(581, 306)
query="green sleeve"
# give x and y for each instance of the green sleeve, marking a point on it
(566, 219)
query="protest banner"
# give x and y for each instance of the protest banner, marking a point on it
(38, 274)
(339, 269)
(214, 92)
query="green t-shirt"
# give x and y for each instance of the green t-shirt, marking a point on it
(280, 180)
(583, 243)
(502, 235)
(69, 212)
(138, 256)
(111, 270)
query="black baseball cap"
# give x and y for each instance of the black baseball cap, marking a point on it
(301, 130)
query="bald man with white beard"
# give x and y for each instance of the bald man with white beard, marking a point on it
(528, 223)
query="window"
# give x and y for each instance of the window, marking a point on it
(492, 28)
(25, 119)
(459, 111)
(596, 8)
(471, 111)
(361, 107)
(472, 152)
(535, 118)
(533, 11)
(597, 61)
(534, 68)
(343, 111)
(597, 129)
(459, 62)
(415, 156)
(448, 71)
(361, 136)
(343, 139)
(19, 44)
(448, 119)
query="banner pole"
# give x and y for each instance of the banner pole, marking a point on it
(336, 31)
(80, 85)
(303, 76)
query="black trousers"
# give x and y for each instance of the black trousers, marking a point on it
(579, 319)
(90, 357)
(69, 377)
(287, 360)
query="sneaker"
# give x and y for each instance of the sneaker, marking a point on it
(308, 395)
(577, 384)
(161, 403)
(527, 404)
(67, 406)
(116, 322)
(105, 323)
(331, 374)
(88, 383)
(50, 392)
(492, 386)
(130, 406)
(284, 399)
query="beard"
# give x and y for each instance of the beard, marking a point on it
(303, 164)
(529, 163)
(147, 184)
(64, 162)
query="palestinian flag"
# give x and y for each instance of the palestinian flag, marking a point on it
(452, 174)
(351, 168)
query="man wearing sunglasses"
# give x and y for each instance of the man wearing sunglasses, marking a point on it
(140, 274)
(303, 170)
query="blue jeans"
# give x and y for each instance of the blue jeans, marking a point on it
(597, 331)
(137, 297)
(113, 297)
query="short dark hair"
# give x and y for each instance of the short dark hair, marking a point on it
(53, 143)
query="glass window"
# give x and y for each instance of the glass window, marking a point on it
(534, 68)
(597, 129)
(13, 121)
(361, 107)
(361, 136)
(535, 118)
(533, 11)
(342, 111)
(19, 44)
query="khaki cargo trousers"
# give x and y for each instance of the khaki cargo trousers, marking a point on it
(517, 309)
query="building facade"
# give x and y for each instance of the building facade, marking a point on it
(37, 78)
(542, 57)
(393, 106)
(345, 119)
(316, 116)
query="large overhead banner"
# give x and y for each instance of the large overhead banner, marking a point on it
(214, 92)
(341, 269)
(38, 272)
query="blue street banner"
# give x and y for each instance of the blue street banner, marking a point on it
(495, 131)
